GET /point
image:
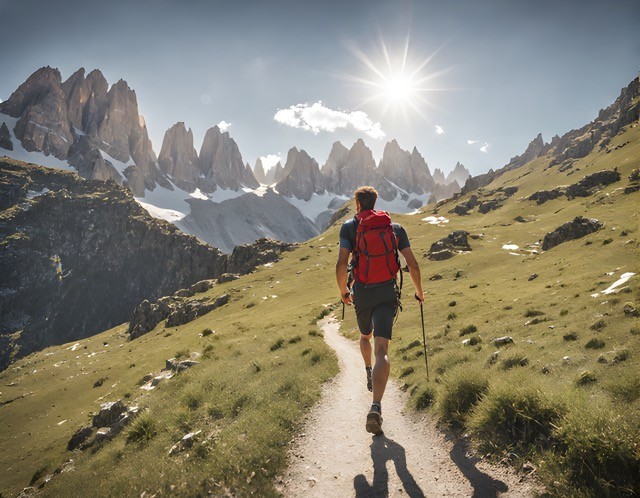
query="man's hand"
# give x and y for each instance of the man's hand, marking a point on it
(419, 297)
(345, 296)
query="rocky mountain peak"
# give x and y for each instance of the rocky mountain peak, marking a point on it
(221, 163)
(301, 176)
(459, 174)
(178, 157)
(408, 171)
(258, 171)
(438, 176)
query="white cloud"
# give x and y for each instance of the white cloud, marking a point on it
(471, 142)
(270, 160)
(317, 117)
(223, 125)
(439, 130)
(484, 147)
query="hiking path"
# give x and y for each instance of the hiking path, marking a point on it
(335, 456)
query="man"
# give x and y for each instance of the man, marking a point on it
(376, 303)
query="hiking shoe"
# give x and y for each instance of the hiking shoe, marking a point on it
(369, 381)
(374, 422)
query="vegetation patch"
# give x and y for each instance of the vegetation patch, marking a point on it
(468, 329)
(144, 428)
(461, 390)
(595, 343)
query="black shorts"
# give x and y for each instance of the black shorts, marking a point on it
(376, 308)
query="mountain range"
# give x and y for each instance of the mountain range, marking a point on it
(85, 125)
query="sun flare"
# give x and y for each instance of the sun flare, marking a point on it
(396, 78)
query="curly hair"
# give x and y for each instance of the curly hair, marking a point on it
(367, 197)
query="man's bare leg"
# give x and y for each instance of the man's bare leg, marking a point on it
(365, 349)
(381, 368)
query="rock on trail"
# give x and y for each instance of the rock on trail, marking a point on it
(335, 456)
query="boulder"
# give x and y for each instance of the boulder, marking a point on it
(109, 413)
(228, 277)
(5, 137)
(542, 196)
(489, 205)
(630, 310)
(203, 286)
(502, 341)
(575, 229)
(590, 183)
(634, 182)
(79, 438)
(460, 209)
(447, 247)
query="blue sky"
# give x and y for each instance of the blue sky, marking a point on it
(498, 73)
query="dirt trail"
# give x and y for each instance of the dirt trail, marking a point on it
(335, 456)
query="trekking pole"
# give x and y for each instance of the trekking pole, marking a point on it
(424, 338)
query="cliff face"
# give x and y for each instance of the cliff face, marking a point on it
(77, 256)
(301, 177)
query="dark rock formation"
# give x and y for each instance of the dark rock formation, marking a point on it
(5, 137)
(542, 196)
(221, 163)
(634, 182)
(77, 256)
(447, 247)
(175, 309)
(575, 229)
(490, 205)
(301, 177)
(590, 183)
(178, 157)
(107, 424)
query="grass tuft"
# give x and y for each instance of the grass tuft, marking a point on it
(595, 343)
(277, 345)
(468, 329)
(426, 398)
(461, 390)
(143, 429)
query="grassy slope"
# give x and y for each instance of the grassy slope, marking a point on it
(250, 415)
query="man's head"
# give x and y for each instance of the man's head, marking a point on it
(366, 198)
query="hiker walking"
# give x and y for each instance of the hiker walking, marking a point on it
(375, 243)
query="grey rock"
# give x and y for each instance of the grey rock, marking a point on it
(591, 183)
(228, 277)
(502, 341)
(543, 196)
(301, 177)
(575, 229)
(533, 276)
(447, 247)
(5, 137)
(109, 413)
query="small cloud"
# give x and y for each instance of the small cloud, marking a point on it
(223, 125)
(439, 130)
(270, 160)
(471, 142)
(317, 117)
(484, 148)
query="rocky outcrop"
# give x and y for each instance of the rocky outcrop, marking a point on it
(278, 171)
(591, 183)
(449, 246)
(258, 171)
(459, 174)
(301, 177)
(77, 256)
(542, 196)
(176, 309)
(178, 157)
(106, 424)
(5, 137)
(575, 229)
(634, 182)
(221, 163)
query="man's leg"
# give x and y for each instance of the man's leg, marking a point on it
(365, 349)
(381, 368)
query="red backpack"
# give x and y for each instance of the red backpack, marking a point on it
(376, 250)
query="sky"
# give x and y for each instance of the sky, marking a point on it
(467, 81)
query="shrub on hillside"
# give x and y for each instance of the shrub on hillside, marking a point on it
(514, 361)
(594, 343)
(426, 398)
(469, 329)
(531, 313)
(277, 345)
(461, 390)
(515, 415)
(142, 429)
(598, 452)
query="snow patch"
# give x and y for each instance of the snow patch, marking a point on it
(435, 220)
(510, 247)
(612, 288)
(118, 165)
(318, 204)
(37, 193)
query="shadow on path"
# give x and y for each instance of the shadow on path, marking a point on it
(384, 449)
(483, 484)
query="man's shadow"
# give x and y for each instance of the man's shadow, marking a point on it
(483, 484)
(384, 449)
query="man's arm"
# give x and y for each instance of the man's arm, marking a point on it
(414, 271)
(342, 276)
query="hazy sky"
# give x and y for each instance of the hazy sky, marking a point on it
(495, 73)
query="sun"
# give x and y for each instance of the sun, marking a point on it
(396, 79)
